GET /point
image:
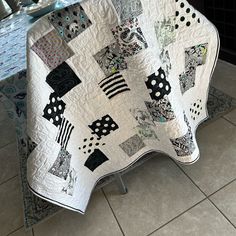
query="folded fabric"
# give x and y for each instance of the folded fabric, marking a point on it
(108, 82)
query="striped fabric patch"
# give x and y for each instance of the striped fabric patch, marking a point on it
(64, 133)
(114, 85)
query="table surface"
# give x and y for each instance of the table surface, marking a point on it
(13, 31)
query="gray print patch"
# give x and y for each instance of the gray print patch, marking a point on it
(132, 145)
(127, 9)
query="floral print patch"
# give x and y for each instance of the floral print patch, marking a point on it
(52, 50)
(165, 32)
(61, 166)
(194, 56)
(110, 59)
(70, 21)
(184, 146)
(128, 9)
(130, 37)
(71, 181)
(146, 126)
(161, 110)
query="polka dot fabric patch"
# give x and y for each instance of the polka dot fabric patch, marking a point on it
(157, 85)
(130, 37)
(186, 15)
(110, 59)
(104, 126)
(89, 144)
(62, 79)
(53, 111)
(70, 21)
(52, 50)
(196, 109)
(128, 9)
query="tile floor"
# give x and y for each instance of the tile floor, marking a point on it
(193, 200)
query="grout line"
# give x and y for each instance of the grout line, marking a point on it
(206, 194)
(5, 181)
(15, 230)
(113, 213)
(221, 213)
(228, 121)
(177, 216)
(11, 142)
(222, 187)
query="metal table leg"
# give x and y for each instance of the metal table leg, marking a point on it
(123, 189)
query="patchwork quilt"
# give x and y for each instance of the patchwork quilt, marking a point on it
(108, 82)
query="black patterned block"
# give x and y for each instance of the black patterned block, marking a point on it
(158, 85)
(110, 59)
(70, 21)
(89, 144)
(114, 85)
(61, 166)
(64, 133)
(62, 79)
(96, 159)
(54, 110)
(104, 126)
(132, 145)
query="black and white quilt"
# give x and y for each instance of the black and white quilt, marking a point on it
(110, 81)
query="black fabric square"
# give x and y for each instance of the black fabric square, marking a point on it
(54, 110)
(96, 159)
(62, 79)
(104, 126)
(158, 85)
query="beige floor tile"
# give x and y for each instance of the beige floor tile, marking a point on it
(224, 78)
(11, 210)
(231, 116)
(22, 232)
(98, 221)
(9, 166)
(204, 219)
(217, 164)
(225, 200)
(157, 192)
(7, 133)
